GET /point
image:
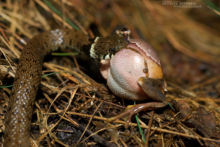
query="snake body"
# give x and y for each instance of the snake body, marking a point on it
(28, 76)
(27, 80)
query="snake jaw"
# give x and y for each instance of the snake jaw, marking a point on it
(104, 48)
(92, 49)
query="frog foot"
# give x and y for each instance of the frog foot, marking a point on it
(154, 88)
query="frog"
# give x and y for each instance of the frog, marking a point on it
(132, 69)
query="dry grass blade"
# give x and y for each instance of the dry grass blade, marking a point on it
(74, 105)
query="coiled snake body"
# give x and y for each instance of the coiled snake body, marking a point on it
(28, 77)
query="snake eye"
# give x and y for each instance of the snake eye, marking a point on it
(123, 32)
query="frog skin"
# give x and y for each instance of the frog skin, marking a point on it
(135, 73)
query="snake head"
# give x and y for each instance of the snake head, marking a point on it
(134, 72)
(105, 47)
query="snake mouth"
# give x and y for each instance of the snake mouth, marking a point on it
(106, 47)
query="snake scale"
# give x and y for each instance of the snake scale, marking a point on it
(28, 76)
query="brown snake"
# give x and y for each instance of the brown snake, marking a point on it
(28, 77)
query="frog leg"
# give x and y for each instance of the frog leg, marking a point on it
(154, 88)
(138, 108)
